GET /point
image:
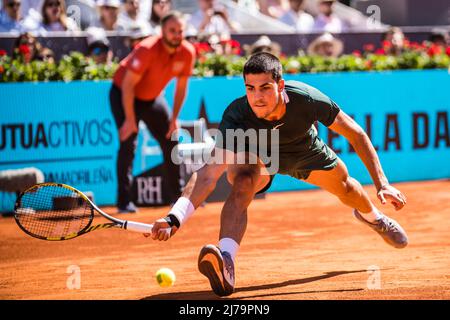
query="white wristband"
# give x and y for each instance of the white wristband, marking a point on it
(182, 209)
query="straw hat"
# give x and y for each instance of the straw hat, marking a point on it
(336, 49)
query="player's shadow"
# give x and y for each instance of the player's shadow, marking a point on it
(209, 295)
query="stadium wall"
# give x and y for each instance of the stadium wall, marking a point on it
(67, 129)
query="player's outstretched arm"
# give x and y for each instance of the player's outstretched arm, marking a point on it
(197, 190)
(346, 126)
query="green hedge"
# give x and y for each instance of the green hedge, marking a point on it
(76, 66)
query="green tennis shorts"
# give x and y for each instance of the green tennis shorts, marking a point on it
(321, 157)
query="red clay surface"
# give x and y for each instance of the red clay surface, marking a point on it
(298, 245)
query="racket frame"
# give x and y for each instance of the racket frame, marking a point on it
(115, 223)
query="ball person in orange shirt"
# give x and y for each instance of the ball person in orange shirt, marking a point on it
(136, 94)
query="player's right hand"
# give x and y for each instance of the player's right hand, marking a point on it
(128, 128)
(161, 230)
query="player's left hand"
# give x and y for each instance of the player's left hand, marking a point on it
(389, 193)
(172, 127)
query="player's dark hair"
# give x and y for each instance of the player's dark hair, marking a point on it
(264, 62)
(172, 14)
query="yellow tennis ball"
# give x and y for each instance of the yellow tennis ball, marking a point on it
(165, 277)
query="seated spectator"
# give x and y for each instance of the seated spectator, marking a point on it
(212, 19)
(273, 8)
(393, 41)
(109, 11)
(99, 49)
(54, 18)
(159, 9)
(263, 44)
(327, 21)
(27, 47)
(297, 18)
(130, 19)
(191, 35)
(10, 17)
(326, 46)
(46, 55)
(136, 36)
(440, 37)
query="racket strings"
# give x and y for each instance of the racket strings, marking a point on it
(53, 211)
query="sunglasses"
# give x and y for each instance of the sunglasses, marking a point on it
(99, 50)
(53, 4)
(13, 4)
(45, 57)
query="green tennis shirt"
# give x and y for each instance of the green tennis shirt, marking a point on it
(300, 148)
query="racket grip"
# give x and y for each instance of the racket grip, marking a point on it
(139, 227)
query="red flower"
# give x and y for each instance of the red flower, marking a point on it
(2, 53)
(406, 43)
(434, 50)
(1, 69)
(369, 47)
(415, 45)
(231, 42)
(387, 44)
(202, 47)
(356, 53)
(235, 44)
(236, 51)
(24, 49)
(380, 52)
(447, 51)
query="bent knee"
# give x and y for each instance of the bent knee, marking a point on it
(243, 181)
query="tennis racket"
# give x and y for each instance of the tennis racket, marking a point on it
(55, 212)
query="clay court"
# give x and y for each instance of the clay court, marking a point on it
(298, 245)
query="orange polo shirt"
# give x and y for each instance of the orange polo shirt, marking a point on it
(157, 67)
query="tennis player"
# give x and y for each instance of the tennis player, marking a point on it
(292, 108)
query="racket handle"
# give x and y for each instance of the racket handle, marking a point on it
(139, 227)
(143, 227)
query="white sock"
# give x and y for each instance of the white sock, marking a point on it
(230, 246)
(372, 216)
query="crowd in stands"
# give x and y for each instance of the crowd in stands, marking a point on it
(43, 16)
(209, 28)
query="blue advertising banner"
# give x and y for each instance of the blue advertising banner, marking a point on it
(67, 129)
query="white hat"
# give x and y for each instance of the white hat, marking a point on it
(108, 3)
(140, 32)
(96, 35)
(263, 41)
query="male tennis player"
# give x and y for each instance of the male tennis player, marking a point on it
(136, 95)
(292, 108)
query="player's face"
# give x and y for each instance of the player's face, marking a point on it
(263, 93)
(172, 32)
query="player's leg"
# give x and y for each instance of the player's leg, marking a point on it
(338, 182)
(217, 263)
(246, 181)
(157, 118)
(125, 155)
